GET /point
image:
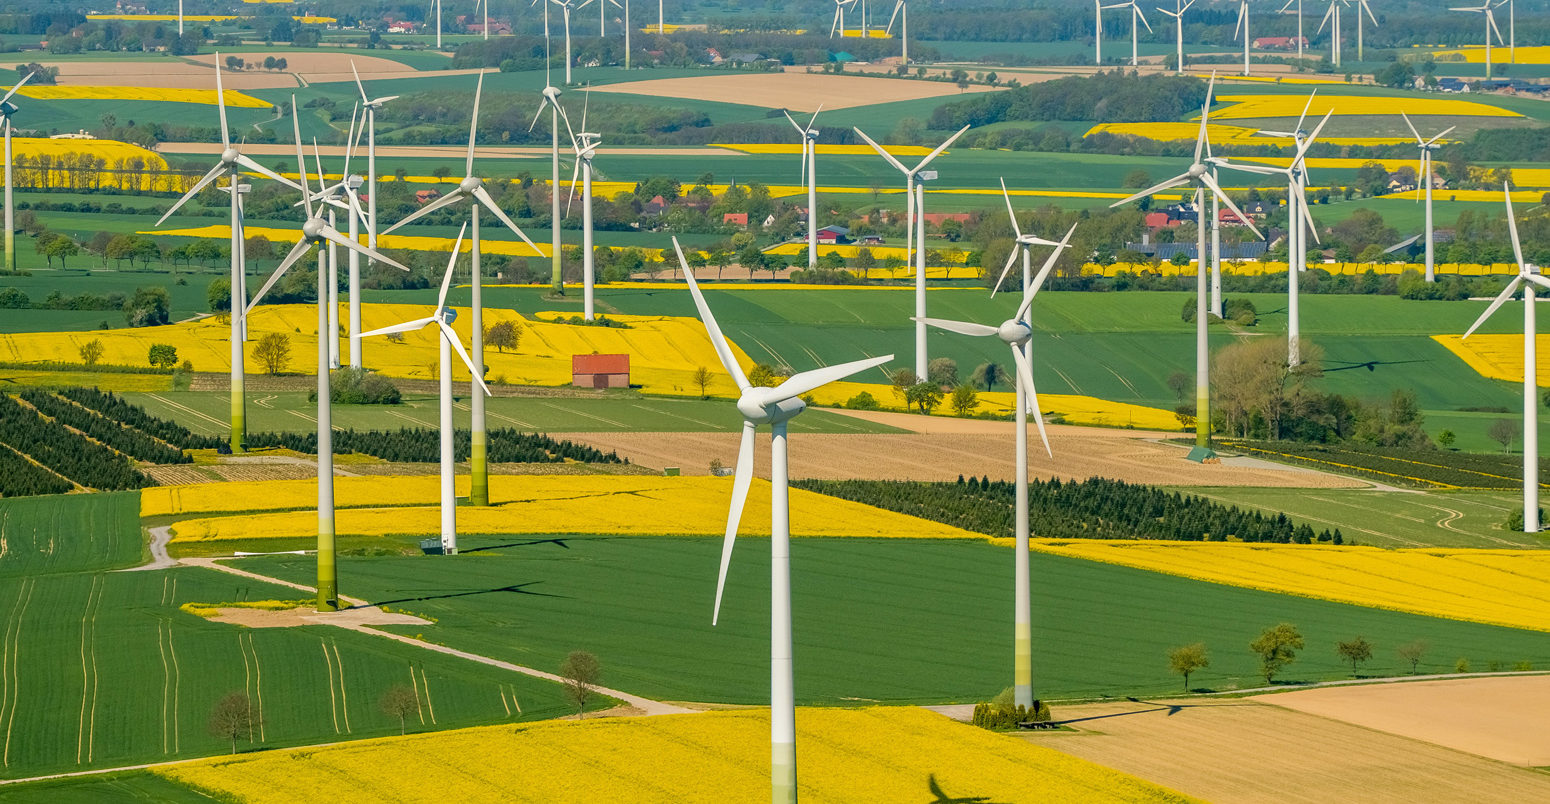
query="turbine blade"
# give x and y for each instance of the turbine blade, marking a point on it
(1217, 188)
(1205, 117)
(814, 118)
(1307, 217)
(457, 346)
(1025, 375)
(220, 103)
(1444, 133)
(800, 384)
(939, 149)
(350, 140)
(296, 253)
(717, 340)
(473, 126)
(1038, 281)
(489, 202)
(332, 235)
(358, 84)
(203, 182)
(1176, 181)
(794, 123)
(741, 478)
(301, 158)
(1248, 168)
(1512, 228)
(445, 201)
(1011, 259)
(253, 165)
(446, 279)
(575, 173)
(960, 327)
(407, 326)
(1305, 108)
(880, 150)
(28, 77)
(1009, 213)
(1501, 299)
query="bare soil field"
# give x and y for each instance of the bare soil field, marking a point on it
(318, 66)
(290, 618)
(1246, 751)
(1501, 717)
(164, 74)
(1080, 453)
(795, 91)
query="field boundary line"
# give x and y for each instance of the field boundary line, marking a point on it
(344, 695)
(191, 411)
(177, 684)
(675, 415)
(333, 700)
(415, 680)
(428, 703)
(591, 416)
(29, 585)
(258, 685)
(166, 683)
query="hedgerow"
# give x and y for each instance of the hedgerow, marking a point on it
(65, 451)
(114, 407)
(424, 446)
(127, 440)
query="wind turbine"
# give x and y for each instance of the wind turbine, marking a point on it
(585, 145)
(552, 101)
(471, 191)
(1425, 176)
(316, 233)
(566, 7)
(810, 174)
(1297, 215)
(1178, 15)
(1531, 273)
(838, 26)
(1243, 28)
(661, 23)
(1333, 15)
(602, 11)
(915, 220)
(443, 318)
(1300, 38)
(1489, 13)
(1512, 28)
(438, 23)
(1017, 333)
(485, 5)
(1137, 19)
(1098, 31)
(231, 164)
(371, 106)
(6, 110)
(901, 12)
(1361, 7)
(1199, 175)
(180, 17)
(775, 407)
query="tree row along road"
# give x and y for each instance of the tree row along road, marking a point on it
(421, 151)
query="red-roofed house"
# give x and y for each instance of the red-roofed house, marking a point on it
(737, 218)
(600, 371)
(938, 218)
(426, 196)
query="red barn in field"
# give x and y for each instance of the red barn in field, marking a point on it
(600, 371)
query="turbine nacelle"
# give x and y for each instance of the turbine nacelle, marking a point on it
(313, 229)
(1014, 331)
(760, 406)
(470, 183)
(552, 93)
(230, 156)
(1197, 170)
(8, 108)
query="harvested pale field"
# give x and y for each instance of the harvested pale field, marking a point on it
(1080, 453)
(317, 65)
(795, 91)
(354, 617)
(164, 74)
(1247, 751)
(1501, 717)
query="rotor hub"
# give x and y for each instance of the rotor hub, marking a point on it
(229, 155)
(1014, 331)
(7, 109)
(470, 184)
(1197, 170)
(756, 406)
(313, 229)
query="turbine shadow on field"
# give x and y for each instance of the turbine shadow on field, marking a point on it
(517, 588)
(1170, 709)
(941, 797)
(558, 542)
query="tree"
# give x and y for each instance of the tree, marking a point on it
(1187, 660)
(964, 400)
(400, 701)
(1180, 383)
(148, 308)
(703, 377)
(274, 351)
(902, 381)
(1354, 651)
(232, 718)
(942, 371)
(163, 355)
(1412, 652)
(764, 375)
(504, 335)
(1136, 179)
(91, 352)
(1504, 432)
(1446, 438)
(925, 395)
(987, 375)
(1277, 647)
(581, 673)
(218, 295)
(61, 247)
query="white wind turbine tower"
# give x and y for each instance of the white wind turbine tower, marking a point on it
(1178, 17)
(1531, 273)
(471, 191)
(1361, 8)
(1199, 175)
(6, 110)
(1137, 19)
(180, 17)
(316, 233)
(1297, 217)
(838, 26)
(584, 143)
(1333, 15)
(552, 102)
(1243, 28)
(1424, 175)
(661, 20)
(1300, 38)
(810, 176)
(485, 6)
(1017, 333)
(915, 232)
(775, 407)
(448, 338)
(602, 13)
(1098, 31)
(371, 105)
(566, 7)
(231, 164)
(1485, 9)
(901, 12)
(1512, 29)
(438, 23)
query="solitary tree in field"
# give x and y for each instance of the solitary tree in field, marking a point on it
(163, 355)
(1412, 652)
(926, 395)
(1187, 660)
(504, 335)
(233, 718)
(1180, 383)
(581, 673)
(703, 378)
(400, 701)
(91, 352)
(1354, 651)
(1277, 647)
(987, 375)
(274, 351)
(1504, 432)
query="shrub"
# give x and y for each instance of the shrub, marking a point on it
(357, 386)
(997, 717)
(863, 401)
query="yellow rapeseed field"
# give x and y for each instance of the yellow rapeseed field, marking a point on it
(795, 148)
(1500, 587)
(845, 756)
(1530, 197)
(1247, 107)
(508, 248)
(235, 99)
(1526, 54)
(1497, 357)
(1251, 268)
(1224, 134)
(619, 505)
